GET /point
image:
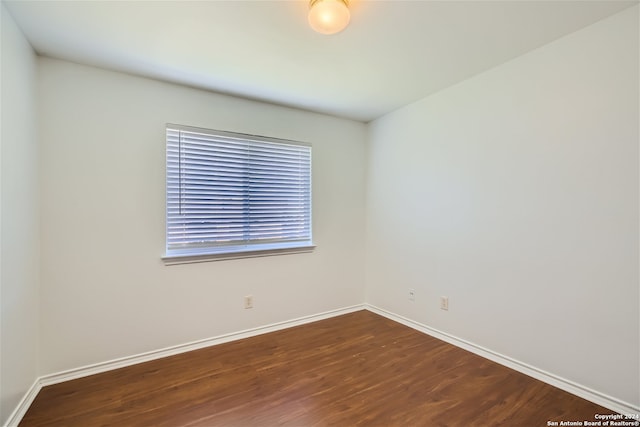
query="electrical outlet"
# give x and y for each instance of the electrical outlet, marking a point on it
(248, 301)
(412, 294)
(444, 303)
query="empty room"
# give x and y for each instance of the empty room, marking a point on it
(320, 213)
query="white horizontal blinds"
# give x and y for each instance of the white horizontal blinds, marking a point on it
(228, 190)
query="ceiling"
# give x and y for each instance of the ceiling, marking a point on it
(393, 52)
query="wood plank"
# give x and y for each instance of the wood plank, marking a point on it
(359, 369)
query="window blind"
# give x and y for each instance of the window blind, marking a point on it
(230, 192)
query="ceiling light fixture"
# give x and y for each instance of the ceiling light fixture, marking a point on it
(329, 16)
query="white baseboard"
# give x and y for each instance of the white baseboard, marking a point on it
(109, 365)
(26, 401)
(554, 380)
(579, 390)
(122, 362)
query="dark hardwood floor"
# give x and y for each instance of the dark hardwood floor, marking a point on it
(359, 369)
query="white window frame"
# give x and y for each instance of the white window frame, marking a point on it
(206, 224)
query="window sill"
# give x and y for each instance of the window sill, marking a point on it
(238, 254)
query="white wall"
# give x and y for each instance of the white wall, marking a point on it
(19, 224)
(105, 291)
(515, 194)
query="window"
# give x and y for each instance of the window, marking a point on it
(233, 195)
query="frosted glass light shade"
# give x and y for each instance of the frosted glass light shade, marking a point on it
(328, 16)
